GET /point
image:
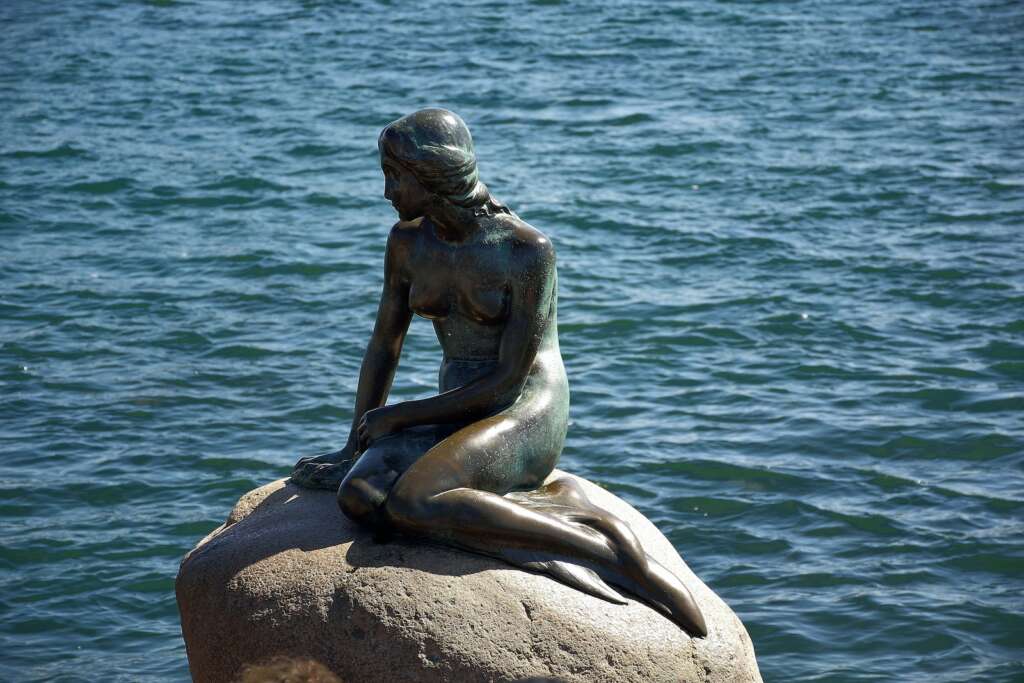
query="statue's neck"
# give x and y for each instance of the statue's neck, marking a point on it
(453, 223)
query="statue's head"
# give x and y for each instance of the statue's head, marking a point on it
(434, 146)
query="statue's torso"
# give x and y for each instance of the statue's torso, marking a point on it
(464, 289)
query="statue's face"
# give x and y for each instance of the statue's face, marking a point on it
(404, 191)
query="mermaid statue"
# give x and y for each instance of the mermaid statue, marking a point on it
(470, 466)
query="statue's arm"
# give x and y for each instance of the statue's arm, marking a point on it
(532, 284)
(385, 347)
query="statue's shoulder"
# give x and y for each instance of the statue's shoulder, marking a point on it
(534, 246)
(407, 227)
(404, 234)
(524, 235)
(402, 242)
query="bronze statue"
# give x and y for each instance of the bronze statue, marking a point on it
(467, 467)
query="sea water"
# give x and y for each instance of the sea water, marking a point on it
(792, 302)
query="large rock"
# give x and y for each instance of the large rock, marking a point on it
(289, 575)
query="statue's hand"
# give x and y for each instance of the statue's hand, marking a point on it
(377, 423)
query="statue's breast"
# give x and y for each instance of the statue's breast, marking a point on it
(484, 304)
(439, 297)
(466, 281)
(431, 298)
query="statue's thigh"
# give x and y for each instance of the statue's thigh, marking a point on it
(498, 454)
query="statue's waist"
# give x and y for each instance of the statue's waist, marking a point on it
(458, 372)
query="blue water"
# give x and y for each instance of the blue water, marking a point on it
(792, 298)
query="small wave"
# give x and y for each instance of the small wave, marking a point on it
(972, 217)
(192, 529)
(1007, 404)
(208, 202)
(323, 199)
(651, 43)
(102, 186)
(930, 399)
(64, 151)
(215, 464)
(816, 370)
(1000, 350)
(617, 55)
(719, 507)
(167, 550)
(1010, 368)
(583, 102)
(628, 120)
(184, 339)
(1000, 186)
(996, 562)
(975, 447)
(314, 150)
(820, 580)
(955, 76)
(686, 340)
(320, 414)
(678, 149)
(872, 522)
(950, 371)
(240, 352)
(308, 270)
(245, 184)
(711, 470)
(745, 579)
(11, 218)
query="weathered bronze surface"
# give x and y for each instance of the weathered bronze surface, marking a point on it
(467, 467)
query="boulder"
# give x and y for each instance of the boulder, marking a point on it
(287, 575)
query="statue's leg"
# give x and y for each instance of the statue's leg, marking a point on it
(362, 493)
(455, 491)
(454, 494)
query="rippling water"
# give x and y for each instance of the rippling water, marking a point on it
(790, 258)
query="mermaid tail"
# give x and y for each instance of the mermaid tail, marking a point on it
(638, 574)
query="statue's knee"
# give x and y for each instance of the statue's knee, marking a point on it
(407, 507)
(359, 500)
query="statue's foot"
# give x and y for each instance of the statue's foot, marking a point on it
(320, 475)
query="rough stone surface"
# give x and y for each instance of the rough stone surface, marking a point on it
(289, 575)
